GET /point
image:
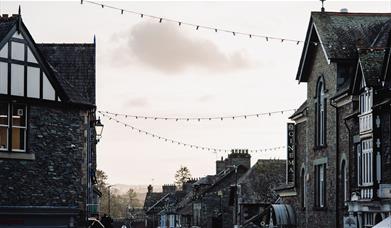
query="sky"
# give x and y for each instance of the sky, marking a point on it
(160, 69)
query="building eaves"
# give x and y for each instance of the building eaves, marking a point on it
(299, 111)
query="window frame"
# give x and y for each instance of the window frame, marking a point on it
(303, 189)
(344, 180)
(320, 186)
(7, 127)
(11, 127)
(20, 127)
(320, 114)
(366, 160)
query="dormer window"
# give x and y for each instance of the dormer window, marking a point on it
(320, 114)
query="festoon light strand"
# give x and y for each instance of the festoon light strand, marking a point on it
(233, 117)
(196, 26)
(215, 29)
(180, 143)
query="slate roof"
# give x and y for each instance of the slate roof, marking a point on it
(299, 110)
(259, 181)
(372, 64)
(207, 180)
(184, 207)
(6, 24)
(349, 30)
(151, 198)
(342, 34)
(74, 67)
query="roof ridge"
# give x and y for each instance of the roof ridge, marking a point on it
(68, 44)
(337, 13)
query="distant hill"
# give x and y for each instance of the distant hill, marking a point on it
(141, 190)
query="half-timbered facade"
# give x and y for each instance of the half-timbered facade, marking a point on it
(47, 136)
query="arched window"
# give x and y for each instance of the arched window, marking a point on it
(320, 110)
(302, 188)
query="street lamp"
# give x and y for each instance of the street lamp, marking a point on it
(99, 129)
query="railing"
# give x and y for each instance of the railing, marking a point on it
(366, 193)
(365, 122)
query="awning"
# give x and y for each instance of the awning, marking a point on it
(385, 223)
(283, 214)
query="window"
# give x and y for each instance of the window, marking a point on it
(368, 219)
(13, 130)
(320, 115)
(320, 185)
(4, 123)
(197, 213)
(366, 162)
(302, 188)
(366, 101)
(344, 181)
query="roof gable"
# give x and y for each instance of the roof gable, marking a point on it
(23, 69)
(370, 68)
(31, 71)
(340, 34)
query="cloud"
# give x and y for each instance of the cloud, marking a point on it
(137, 102)
(205, 98)
(164, 47)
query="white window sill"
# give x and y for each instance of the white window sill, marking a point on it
(17, 155)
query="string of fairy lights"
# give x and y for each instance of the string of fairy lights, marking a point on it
(232, 117)
(180, 143)
(195, 26)
(198, 27)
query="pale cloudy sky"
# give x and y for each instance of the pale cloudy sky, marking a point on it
(148, 68)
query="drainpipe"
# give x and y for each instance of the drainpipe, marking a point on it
(350, 147)
(337, 165)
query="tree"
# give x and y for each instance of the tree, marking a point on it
(182, 175)
(132, 198)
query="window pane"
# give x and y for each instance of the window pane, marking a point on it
(30, 56)
(17, 80)
(3, 138)
(18, 138)
(18, 51)
(19, 115)
(33, 81)
(3, 78)
(48, 90)
(4, 51)
(3, 114)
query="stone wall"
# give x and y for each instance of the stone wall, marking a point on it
(55, 178)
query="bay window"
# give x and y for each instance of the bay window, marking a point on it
(366, 162)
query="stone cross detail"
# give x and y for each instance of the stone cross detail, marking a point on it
(377, 121)
(378, 143)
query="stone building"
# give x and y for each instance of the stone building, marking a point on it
(212, 199)
(340, 173)
(256, 190)
(47, 134)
